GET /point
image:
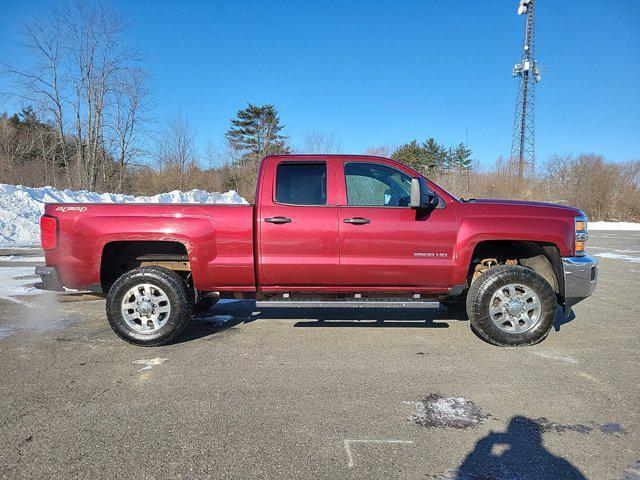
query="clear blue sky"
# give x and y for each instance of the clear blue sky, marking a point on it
(385, 72)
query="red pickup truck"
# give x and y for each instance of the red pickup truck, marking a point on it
(326, 230)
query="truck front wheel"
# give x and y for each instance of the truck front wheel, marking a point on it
(149, 306)
(511, 306)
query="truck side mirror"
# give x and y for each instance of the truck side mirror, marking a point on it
(422, 197)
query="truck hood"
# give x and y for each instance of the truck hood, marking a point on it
(525, 203)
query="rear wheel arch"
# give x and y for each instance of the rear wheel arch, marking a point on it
(119, 257)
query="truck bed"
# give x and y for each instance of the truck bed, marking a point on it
(218, 240)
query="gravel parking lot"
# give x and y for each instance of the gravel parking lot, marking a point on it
(321, 393)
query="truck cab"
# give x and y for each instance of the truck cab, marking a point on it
(346, 223)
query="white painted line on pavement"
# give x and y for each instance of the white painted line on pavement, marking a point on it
(347, 447)
(555, 356)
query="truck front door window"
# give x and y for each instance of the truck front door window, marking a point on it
(375, 185)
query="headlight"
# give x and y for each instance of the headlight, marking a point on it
(581, 235)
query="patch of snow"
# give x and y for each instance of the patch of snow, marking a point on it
(6, 332)
(21, 207)
(438, 411)
(149, 363)
(618, 256)
(613, 226)
(21, 258)
(17, 281)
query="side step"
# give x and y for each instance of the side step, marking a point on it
(346, 304)
(357, 300)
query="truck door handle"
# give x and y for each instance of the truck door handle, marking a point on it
(357, 220)
(278, 220)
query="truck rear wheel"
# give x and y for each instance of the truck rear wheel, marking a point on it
(511, 306)
(149, 306)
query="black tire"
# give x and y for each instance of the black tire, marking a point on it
(204, 304)
(490, 282)
(180, 300)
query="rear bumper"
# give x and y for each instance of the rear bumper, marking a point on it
(580, 279)
(49, 279)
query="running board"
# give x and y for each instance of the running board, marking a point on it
(345, 304)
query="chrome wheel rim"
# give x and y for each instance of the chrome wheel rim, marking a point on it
(515, 308)
(146, 308)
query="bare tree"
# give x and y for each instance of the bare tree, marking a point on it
(176, 150)
(220, 155)
(128, 120)
(212, 155)
(321, 142)
(379, 151)
(81, 76)
(104, 72)
(42, 83)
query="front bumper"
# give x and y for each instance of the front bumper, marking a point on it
(580, 278)
(50, 279)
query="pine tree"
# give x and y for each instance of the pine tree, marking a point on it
(435, 156)
(431, 158)
(411, 154)
(255, 133)
(459, 158)
(26, 117)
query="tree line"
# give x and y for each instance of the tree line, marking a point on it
(87, 124)
(89, 89)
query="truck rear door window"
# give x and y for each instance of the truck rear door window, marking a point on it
(301, 183)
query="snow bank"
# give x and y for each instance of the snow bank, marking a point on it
(21, 207)
(613, 226)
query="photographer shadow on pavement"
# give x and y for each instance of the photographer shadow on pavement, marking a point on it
(517, 454)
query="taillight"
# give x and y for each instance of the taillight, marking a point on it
(48, 232)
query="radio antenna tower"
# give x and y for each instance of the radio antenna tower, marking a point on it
(523, 153)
